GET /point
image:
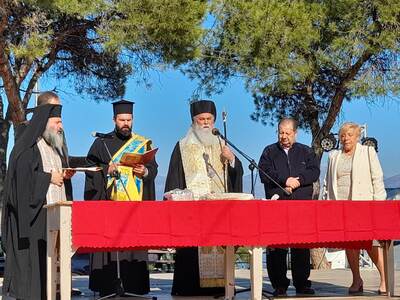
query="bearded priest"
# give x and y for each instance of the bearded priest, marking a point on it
(202, 163)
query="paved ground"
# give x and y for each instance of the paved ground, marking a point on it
(330, 284)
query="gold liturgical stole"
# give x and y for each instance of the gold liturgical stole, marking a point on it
(128, 183)
(204, 174)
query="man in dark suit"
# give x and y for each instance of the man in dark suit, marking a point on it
(295, 167)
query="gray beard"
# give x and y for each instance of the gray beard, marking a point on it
(204, 135)
(54, 139)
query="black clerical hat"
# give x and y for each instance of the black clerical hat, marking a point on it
(55, 111)
(123, 107)
(203, 106)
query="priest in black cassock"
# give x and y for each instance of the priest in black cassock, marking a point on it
(120, 183)
(34, 178)
(50, 97)
(201, 163)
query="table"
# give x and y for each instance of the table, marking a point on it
(113, 225)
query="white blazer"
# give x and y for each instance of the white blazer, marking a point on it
(366, 175)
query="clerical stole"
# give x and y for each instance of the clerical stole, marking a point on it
(204, 170)
(51, 162)
(128, 184)
(204, 174)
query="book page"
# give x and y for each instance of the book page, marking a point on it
(84, 169)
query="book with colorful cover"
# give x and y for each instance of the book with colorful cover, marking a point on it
(132, 159)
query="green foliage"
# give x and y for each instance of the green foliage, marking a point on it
(242, 255)
(169, 30)
(97, 44)
(36, 45)
(299, 57)
(71, 7)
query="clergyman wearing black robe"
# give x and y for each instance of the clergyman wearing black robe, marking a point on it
(24, 218)
(190, 155)
(71, 162)
(134, 272)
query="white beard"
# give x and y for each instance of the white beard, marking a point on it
(204, 135)
(54, 139)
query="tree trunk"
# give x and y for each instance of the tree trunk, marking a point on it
(4, 130)
(318, 259)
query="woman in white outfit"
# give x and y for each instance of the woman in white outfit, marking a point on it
(354, 173)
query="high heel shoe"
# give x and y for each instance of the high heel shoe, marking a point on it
(382, 293)
(358, 290)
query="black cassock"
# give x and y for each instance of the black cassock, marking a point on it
(134, 272)
(186, 275)
(25, 269)
(24, 218)
(73, 161)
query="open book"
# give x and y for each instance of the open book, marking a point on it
(132, 159)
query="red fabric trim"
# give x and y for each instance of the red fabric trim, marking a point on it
(113, 225)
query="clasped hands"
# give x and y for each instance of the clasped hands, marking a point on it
(58, 177)
(292, 183)
(138, 170)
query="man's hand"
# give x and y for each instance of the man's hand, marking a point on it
(293, 182)
(67, 174)
(289, 189)
(227, 154)
(139, 171)
(112, 167)
(57, 178)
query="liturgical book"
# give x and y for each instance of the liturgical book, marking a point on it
(132, 159)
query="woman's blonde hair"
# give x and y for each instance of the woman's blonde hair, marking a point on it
(350, 125)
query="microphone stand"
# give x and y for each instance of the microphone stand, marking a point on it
(116, 173)
(253, 165)
(119, 287)
(251, 168)
(224, 119)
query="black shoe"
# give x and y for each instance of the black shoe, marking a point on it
(305, 291)
(382, 293)
(76, 292)
(358, 290)
(279, 292)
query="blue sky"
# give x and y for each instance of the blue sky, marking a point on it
(162, 114)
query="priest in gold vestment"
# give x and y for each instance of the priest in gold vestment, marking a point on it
(120, 183)
(202, 163)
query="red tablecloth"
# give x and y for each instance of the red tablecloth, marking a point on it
(113, 225)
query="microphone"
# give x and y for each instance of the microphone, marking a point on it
(215, 131)
(209, 167)
(116, 174)
(206, 158)
(102, 135)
